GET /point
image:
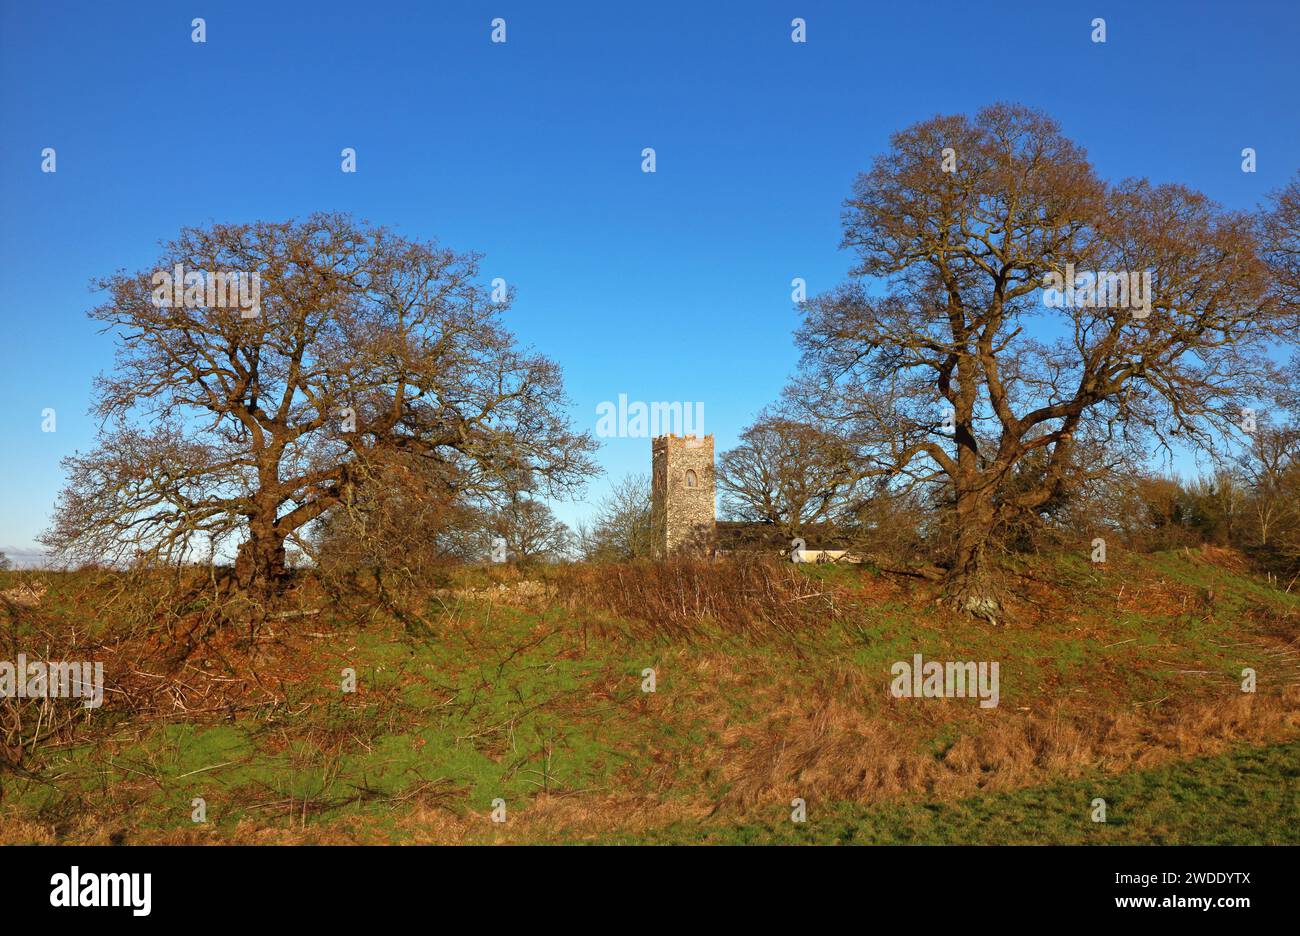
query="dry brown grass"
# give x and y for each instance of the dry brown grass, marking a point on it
(831, 746)
(681, 598)
(169, 649)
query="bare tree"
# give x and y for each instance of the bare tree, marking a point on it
(221, 424)
(1281, 236)
(981, 326)
(623, 527)
(1280, 229)
(787, 473)
(1270, 469)
(530, 530)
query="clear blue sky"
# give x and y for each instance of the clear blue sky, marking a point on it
(671, 286)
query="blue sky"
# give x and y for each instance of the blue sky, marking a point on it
(666, 286)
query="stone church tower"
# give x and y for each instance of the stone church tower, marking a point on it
(682, 495)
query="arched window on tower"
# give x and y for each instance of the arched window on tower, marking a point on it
(690, 479)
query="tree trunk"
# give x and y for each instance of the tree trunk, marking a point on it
(968, 585)
(260, 567)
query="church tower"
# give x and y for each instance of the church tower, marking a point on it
(682, 492)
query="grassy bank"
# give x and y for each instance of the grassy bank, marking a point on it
(1120, 681)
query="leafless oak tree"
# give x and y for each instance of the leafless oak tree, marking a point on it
(787, 473)
(530, 529)
(943, 360)
(367, 347)
(1281, 238)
